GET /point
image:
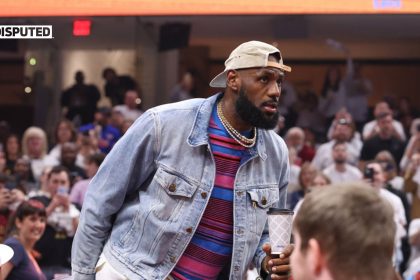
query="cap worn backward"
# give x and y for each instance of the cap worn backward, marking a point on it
(249, 55)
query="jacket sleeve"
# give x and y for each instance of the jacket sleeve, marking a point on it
(283, 182)
(125, 169)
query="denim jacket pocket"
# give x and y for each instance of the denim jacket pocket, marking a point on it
(260, 200)
(175, 184)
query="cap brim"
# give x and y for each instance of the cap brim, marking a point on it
(6, 253)
(219, 81)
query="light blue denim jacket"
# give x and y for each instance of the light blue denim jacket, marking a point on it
(143, 206)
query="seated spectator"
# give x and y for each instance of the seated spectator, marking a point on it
(129, 109)
(105, 134)
(26, 228)
(69, 152)
(343, 132)
(371, 128)
(34, 146)
(340, 171)
(335, 239)
(88, 145)
(23, 178)
(64, 132)
(294, 171)
(295, 137)
(62, 221)
(320, 180)
(78, 191)
(378, 182)
(306, 176)
(384, 140)
(12, 152)
(391, 170)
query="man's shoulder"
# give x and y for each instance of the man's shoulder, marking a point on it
(190, 104)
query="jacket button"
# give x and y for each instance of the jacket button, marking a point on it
(172, 187)
(204, 195)
(264, 200)
(172, 259)
(189, 230)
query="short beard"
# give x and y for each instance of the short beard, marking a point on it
(252, 114)
(340, 161)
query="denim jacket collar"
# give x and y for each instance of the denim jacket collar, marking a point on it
(199, 134)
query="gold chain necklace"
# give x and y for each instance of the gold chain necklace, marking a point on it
(237, 136)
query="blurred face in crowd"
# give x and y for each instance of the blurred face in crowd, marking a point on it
(131, 99)
(378, 175)
(12, 145)
(342, 132)
(385, 127)
(319, 181)
(339, 153)
(22, 166)
(187, 82)
(382, 108)
(64, 133)
(35, 146)
(295, 137)
(307, 175)
(57, 179)
(69, 153)
(91, 168)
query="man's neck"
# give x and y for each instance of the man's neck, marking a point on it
(340, 167)
(230, 114)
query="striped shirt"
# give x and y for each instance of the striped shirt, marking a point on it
(211, 246)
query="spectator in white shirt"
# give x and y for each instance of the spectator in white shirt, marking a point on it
(340, 171)
(371, 128)
(130, 109)
(343, 132)
(377, 180)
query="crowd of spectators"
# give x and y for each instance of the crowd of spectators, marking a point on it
(330, 135)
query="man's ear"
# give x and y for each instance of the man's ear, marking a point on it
(233, 80)
(316, 258)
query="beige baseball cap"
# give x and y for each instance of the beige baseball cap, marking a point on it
(249, 55)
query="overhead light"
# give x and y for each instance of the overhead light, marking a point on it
(32, 61)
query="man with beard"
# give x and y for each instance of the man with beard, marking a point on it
(185, 192)
(340, 171)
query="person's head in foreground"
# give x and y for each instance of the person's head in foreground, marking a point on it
(343, 232)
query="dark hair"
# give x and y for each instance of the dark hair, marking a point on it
(58, 169)
(25, 209)
(328, 83)
(96, 158)
(70, 126)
